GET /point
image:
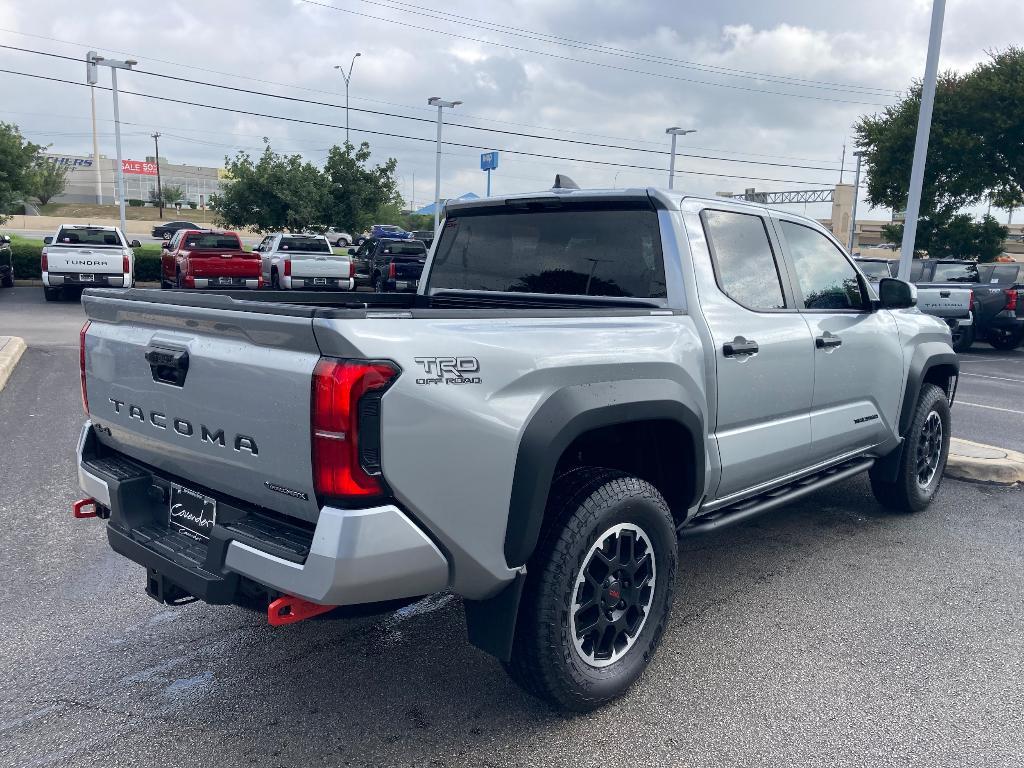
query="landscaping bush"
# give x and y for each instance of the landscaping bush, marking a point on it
(193, 206)
(134, 202)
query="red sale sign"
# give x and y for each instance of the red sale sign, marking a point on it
(138, 167)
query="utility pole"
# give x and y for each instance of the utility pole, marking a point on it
(924, 124)
(159, 188)
(842, 164)
(96, 146)
(437, 101)
(856, 194)
(672, 155)
(348, 79)
(91, 62)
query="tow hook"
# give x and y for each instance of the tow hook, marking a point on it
(291, 610)
(79, 509)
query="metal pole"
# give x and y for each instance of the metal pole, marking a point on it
(842, 164)
(856, 190)
(117, 141)
(672, 163)
(924, 124)
(159, 187)
(488, 182)
(437, 173)
(346, 112)
(96, 149)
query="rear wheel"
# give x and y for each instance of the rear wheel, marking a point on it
(177, 278)
(342, 243)
(380, 286)
(963, 337)
(598, 590)
(275, 281)
(1005, 340)
(923, 459)
(51, 294)
(7, 281)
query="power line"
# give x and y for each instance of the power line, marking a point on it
(378, 113)
(490, 26)
(402, 136)
(463, 115)
(604, 65)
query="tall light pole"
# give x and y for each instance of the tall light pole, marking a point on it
(672, 162)
(856, 194)
(159, 187)
(348, 79)
(437, 101)
(924, 124)
(92, 60)
(96, 147)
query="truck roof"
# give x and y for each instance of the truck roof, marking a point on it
(105, 227)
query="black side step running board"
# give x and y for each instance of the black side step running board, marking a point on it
(748, 508)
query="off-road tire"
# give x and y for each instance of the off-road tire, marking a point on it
(1005, 341)
(275, 280)
(583, 505)
(963, 338)
(379, 286)
(7, 281)
(906, 493)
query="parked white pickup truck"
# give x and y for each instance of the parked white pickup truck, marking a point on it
(304, 262)
(84, 256)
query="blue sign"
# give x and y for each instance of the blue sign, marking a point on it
(488, 161)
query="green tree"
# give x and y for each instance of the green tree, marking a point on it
(17, 158)
(356, 193)
(275, 192)
(955, 237)
(49, 179)
(172, 194)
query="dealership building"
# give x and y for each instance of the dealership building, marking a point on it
(196, 181)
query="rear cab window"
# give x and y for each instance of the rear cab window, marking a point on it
(610, 249)
(211, 241)
(956, 273)
(305, 244)
(89, 237)
(404, 248)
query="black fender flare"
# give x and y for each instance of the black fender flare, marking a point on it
(572, 411)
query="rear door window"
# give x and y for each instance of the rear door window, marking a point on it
(742, 256)
(579, 250)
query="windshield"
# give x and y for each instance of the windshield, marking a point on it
(212, 241)
(388, 228)
(956, 273)
(611, 249)
(83, 236)
(876, 270)
(306, 244)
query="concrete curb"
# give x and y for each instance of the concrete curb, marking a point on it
(11, 350)
(982, 463)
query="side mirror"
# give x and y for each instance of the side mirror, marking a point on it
(47, 240)
(136, 244)
(5, 239)
(896, 294)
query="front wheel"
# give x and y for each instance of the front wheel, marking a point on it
(1005, 340)
(963, 337)
(598, 590)
(923, 458)
(342, 243)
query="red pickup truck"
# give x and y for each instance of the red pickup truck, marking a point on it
(207, 259)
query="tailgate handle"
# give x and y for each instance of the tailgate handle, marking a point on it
(944, 294)
(169, 366)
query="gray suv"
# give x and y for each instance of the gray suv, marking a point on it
(580, 378)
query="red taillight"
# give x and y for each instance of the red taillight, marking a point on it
(1011, 299)
(391, 271)
(188, 281)
(970, 305)
(351, 269)
(81, 364)
(124, 264)
(337, 419)
(287, 267)
(45, 261)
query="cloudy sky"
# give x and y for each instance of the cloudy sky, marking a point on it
(772, 88)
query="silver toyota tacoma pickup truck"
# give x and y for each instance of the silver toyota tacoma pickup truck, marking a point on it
(582, 377)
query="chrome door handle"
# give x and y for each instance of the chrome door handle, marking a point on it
(827, 341)
(739, 347)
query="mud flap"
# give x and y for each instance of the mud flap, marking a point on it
(491, 623)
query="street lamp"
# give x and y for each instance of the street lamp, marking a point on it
(437, 101)
(348, 79)
(672, 162)
(92, 60)
(856, 194)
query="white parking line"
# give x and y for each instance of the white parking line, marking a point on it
(990, 407)
(997, 378)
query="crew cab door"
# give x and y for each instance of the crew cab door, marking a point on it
(858, 359)
(763, 351)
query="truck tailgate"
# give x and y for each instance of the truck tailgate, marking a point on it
(98, 260)
(319, 265)
(946, 302)
(227, 264)
(238, 423)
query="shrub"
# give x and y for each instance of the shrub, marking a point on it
(193, 206)
(134, 202)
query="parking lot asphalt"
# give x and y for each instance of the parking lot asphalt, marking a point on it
(826, 633)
